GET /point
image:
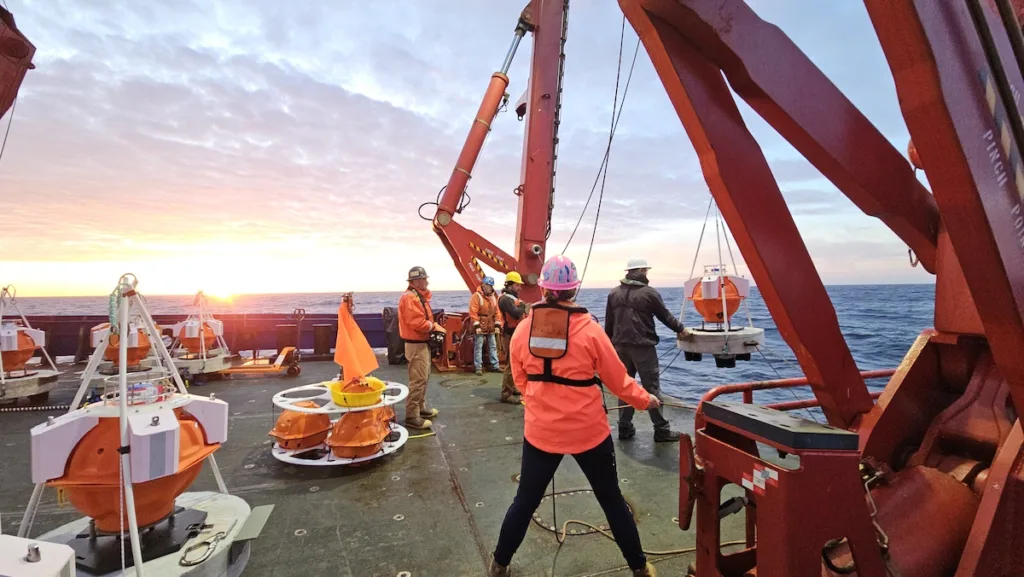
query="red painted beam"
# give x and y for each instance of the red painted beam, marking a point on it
(749, 198)
(767, 70)
(960, 126)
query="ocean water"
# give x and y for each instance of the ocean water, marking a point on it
(879, 322)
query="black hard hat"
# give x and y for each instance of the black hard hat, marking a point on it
(416, 273)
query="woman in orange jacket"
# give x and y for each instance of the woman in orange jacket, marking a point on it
(560, 360)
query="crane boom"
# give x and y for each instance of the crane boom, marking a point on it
(546, 19)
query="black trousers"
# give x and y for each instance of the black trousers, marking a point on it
(642, 359)
(538, 469)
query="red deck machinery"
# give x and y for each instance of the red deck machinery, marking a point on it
(927, 481)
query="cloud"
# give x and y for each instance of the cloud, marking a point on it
(153, 135)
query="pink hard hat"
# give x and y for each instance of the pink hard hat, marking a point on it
(559, 274)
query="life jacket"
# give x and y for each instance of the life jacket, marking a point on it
(484, 309)
(549, 340)
(510, 323)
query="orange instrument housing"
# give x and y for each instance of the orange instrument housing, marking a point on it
(206, 341)
(297, 431)
(92, 481)
(710, 308)
(15, 360)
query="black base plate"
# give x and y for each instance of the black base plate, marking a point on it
(100, 555)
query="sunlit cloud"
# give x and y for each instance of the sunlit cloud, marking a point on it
(272, 147)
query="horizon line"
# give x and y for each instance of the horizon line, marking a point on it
(432, 291)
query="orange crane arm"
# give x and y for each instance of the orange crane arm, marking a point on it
(546, 20)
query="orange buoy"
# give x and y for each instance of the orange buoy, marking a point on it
(360, 434)
(206, 341)
(22, 348)
(711, 308)
(138, 344)
(296, 431)
(92, 478)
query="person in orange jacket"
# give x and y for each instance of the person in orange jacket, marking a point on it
(561, 358)
(415, 323)
(483, 309)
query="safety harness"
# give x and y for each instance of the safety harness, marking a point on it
(549, 340)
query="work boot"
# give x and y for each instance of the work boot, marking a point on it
(419, 423)
(428, 413)
(494, 370)
(647, 571)
(666, 436)
(511, 400)
(479, 372)
(626, 432)
(496, 570)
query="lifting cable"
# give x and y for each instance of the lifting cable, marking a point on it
(602, 172)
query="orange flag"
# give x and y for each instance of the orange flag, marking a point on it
(352, 351)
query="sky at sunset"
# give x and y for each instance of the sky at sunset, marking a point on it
(256, 146)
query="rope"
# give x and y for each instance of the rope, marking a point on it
(607, 150)
(611, 135)
(10, 120)
(790, 389)
(700, 240)
(562, 535)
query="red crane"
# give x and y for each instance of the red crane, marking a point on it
(929, 480)
(546, 19)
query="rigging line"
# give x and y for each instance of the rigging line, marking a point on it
(611, 133)
(790, 389)
(696, 254)
(10, 119)
(600, 197)
(736, 271)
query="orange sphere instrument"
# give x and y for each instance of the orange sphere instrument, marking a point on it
(22, 347)
(710, 308)
(92, 482)
(206, 341)
(138, 343)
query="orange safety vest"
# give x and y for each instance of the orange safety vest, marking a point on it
(549, 340)
(509, 322)
(415, 318)
(557, 356)
(484, 310)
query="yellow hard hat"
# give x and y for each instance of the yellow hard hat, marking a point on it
(513, 277)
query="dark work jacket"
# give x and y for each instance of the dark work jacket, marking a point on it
(629, 317)
(510, 310)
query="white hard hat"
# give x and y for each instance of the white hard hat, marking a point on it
(636, 263)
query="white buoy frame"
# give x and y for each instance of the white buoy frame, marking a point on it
(319, 392)
(127, 297)
(209, 361)
(41, 381)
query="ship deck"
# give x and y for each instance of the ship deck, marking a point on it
(432, 509)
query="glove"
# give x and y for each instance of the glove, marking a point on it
(476, 329)
(497, 329)
(684, 334)
(438, 328)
